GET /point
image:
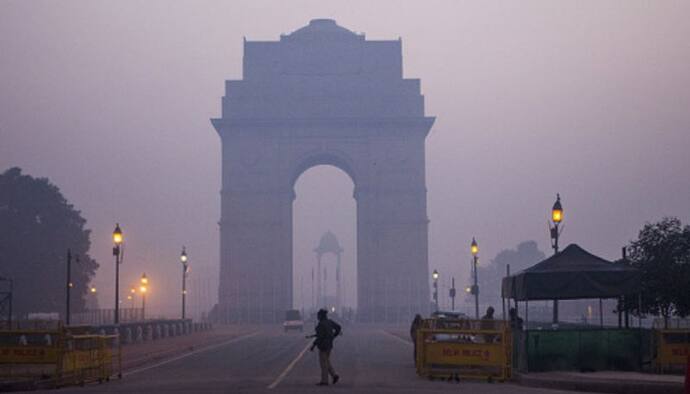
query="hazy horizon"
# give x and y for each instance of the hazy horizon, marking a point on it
(112, 101)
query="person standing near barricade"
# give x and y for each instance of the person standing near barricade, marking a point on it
(326, 331)
(515, 320)
(416, 324)
(487, 323)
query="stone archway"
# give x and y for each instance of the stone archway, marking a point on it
(323, 95)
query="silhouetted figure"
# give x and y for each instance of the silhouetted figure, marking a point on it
(515, 320)
(416, 324)
(326, 331)
(488, 324)
(489, 315)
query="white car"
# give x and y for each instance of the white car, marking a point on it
(293, 321)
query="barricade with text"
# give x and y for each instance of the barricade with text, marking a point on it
(56, 357)
(462, 348)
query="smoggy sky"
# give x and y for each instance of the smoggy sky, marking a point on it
(112, 100)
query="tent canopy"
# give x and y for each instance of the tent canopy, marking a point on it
(571, 274)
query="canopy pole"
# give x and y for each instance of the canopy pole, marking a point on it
(503, 299)
(503, 304)
(526, 314)
(626, 301)
(639, 308)
(601, 313)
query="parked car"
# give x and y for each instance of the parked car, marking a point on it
(293, 321)
(448, 315)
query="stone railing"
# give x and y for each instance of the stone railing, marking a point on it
(144, 331)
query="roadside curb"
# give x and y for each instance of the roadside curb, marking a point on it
(612, 386)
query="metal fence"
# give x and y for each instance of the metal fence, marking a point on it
(586, 350)
(98, 317)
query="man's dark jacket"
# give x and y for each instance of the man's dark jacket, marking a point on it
(326, 331)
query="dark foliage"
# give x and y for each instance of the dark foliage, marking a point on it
(525, 255)
(37, 226)
(662, 252)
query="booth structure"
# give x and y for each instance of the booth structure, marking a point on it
(574, 274)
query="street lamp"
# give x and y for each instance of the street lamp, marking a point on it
(68, 287)
(117, 252)
(556, 218)
(143, 288)
(6, 300)
(434, 276)
(183, 260)
(474, 248)
(132, 293)
(452, 294)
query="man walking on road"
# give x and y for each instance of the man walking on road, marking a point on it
(326, 331)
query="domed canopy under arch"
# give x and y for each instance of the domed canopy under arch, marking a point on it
(328, 244)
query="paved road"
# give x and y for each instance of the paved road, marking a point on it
(368, 360)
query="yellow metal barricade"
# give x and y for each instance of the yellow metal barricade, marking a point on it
(462, 348)
(672, 348)
(56, 357)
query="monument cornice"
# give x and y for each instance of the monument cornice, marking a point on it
(416, 123)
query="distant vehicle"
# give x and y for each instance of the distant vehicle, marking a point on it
(293, 321)
(48, 316)
(448, 315)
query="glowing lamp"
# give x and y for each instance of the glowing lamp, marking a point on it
(557, 210)
(474, 248)
(117, 235)
(435, 275)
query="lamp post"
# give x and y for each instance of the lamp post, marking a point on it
(434, 276)
(143, 288)
(117, 252)
(556, 218)
(6, 300)
(183, 260)
(452, 292)
(68, 287)
(132, 293)
(474, 248)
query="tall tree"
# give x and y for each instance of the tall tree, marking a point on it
(37, 226)
(525, 255)
(662, 253)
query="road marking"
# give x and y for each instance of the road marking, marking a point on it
(406, 342)
(180, 357)
(289, 368)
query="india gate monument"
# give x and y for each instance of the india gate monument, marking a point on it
(322, 95)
